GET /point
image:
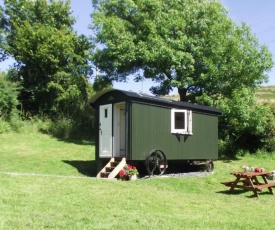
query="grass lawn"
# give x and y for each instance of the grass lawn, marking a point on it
(61, 196)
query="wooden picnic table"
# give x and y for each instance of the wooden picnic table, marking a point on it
(249, 181)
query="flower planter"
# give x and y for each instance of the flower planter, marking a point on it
(133, 177)
(128, 172)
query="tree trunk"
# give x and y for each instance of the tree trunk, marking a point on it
(183, 94)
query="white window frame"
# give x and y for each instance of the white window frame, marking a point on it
(187, 121)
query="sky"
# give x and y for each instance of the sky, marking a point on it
(258, 14)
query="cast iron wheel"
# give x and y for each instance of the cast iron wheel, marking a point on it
(156, 163)
(209, 166)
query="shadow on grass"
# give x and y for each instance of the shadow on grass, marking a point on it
(238, 192)
(235, 192)
(228, 159)
(87, 168)
(77, 141)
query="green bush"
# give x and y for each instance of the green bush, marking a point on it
(79, 126)
(8, 97)
(4, 126)
(245, 124)
(269, 138)
(16, 124)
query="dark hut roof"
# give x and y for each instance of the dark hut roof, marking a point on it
(154, 100)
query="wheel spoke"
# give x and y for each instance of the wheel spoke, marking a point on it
(156, 160)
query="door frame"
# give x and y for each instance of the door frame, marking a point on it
(115, 144)
(120, 126)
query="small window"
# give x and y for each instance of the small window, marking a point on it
(106, 113)
(181, 121)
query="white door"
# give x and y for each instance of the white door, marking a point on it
(105, 131)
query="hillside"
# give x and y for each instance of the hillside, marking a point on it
(264, 94)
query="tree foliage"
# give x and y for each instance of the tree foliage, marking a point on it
(8, 97)
(246, 124)
(193, 46)
(190, 45)
(51, 59)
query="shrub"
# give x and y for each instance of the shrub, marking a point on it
(269, 138)
(79, 126)
(4, 126)
(245, 124)
(8, 97)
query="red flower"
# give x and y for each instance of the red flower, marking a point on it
(122, 173)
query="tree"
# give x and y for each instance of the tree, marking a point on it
(193, 46)
(190, 45)
(51, 59)
(8, 97)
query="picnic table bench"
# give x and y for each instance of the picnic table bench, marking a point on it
(249, 181)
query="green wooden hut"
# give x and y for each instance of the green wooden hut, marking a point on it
(137, 127)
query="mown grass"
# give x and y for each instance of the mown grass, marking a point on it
(40, 153)
(75, 201)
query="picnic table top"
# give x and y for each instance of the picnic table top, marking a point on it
(250, 174)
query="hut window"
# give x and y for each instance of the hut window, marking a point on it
(181, 121)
